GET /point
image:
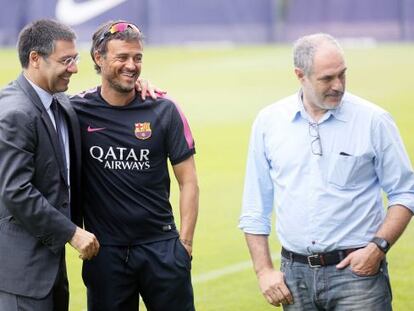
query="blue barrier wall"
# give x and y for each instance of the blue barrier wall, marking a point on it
(239, 21)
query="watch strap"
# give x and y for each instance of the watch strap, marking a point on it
(381, 243)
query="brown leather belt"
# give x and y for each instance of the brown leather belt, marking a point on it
(319, 259)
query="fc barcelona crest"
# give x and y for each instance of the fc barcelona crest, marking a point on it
(143, 130)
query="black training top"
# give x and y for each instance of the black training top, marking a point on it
(126, 184)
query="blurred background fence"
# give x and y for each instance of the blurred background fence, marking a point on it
(166, 22)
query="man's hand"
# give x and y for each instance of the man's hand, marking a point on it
(365, 261)
(85, 243)
(273, 287)
(188, 245)
(271, 282)
(146, 88)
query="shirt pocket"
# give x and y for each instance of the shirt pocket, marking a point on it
(347, 171)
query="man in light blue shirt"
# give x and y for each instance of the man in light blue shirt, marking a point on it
(321, 158)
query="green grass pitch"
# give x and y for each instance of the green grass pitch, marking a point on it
(221, 90)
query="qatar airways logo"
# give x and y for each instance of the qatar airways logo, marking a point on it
(120, 158)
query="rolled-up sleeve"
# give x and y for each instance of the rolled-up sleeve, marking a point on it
(392, 164)
(257, 204)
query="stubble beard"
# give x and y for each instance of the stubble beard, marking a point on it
(320, 103)
(121, 88)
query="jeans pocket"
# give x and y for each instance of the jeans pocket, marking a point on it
(366, 292)
(356, 275)
(285, 264)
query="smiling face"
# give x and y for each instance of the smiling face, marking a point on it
(53, 75)
(324, 87)
(121, 65)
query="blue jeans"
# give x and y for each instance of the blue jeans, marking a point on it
(327, 288)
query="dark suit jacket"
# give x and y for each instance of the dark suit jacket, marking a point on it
(34, 197)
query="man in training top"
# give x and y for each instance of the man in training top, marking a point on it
(126, 142)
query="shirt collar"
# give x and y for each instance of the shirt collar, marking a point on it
(45, 97)
(298, 110)
(340, 112)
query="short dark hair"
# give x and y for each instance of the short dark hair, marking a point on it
(40, 36)
(102, 36)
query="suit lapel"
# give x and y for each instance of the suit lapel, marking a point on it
(74, 130)
(75, 156)
(31, 93)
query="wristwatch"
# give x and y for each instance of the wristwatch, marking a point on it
(382, 244)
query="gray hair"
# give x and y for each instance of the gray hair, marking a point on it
(40, 36)
(304, 50)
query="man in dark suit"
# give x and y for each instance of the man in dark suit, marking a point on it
(40, 173)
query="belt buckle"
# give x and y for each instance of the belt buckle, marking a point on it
(310, 261)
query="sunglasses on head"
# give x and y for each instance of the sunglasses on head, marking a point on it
(117, 27)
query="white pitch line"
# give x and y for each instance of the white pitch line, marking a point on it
(218, 273)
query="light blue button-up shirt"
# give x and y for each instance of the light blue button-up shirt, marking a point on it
(329, 201)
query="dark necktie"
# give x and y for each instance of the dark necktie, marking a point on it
(57, 113)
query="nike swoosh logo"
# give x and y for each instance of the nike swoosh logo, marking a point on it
(72, 13)
(95, 129)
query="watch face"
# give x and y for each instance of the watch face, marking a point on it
(381, 243)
